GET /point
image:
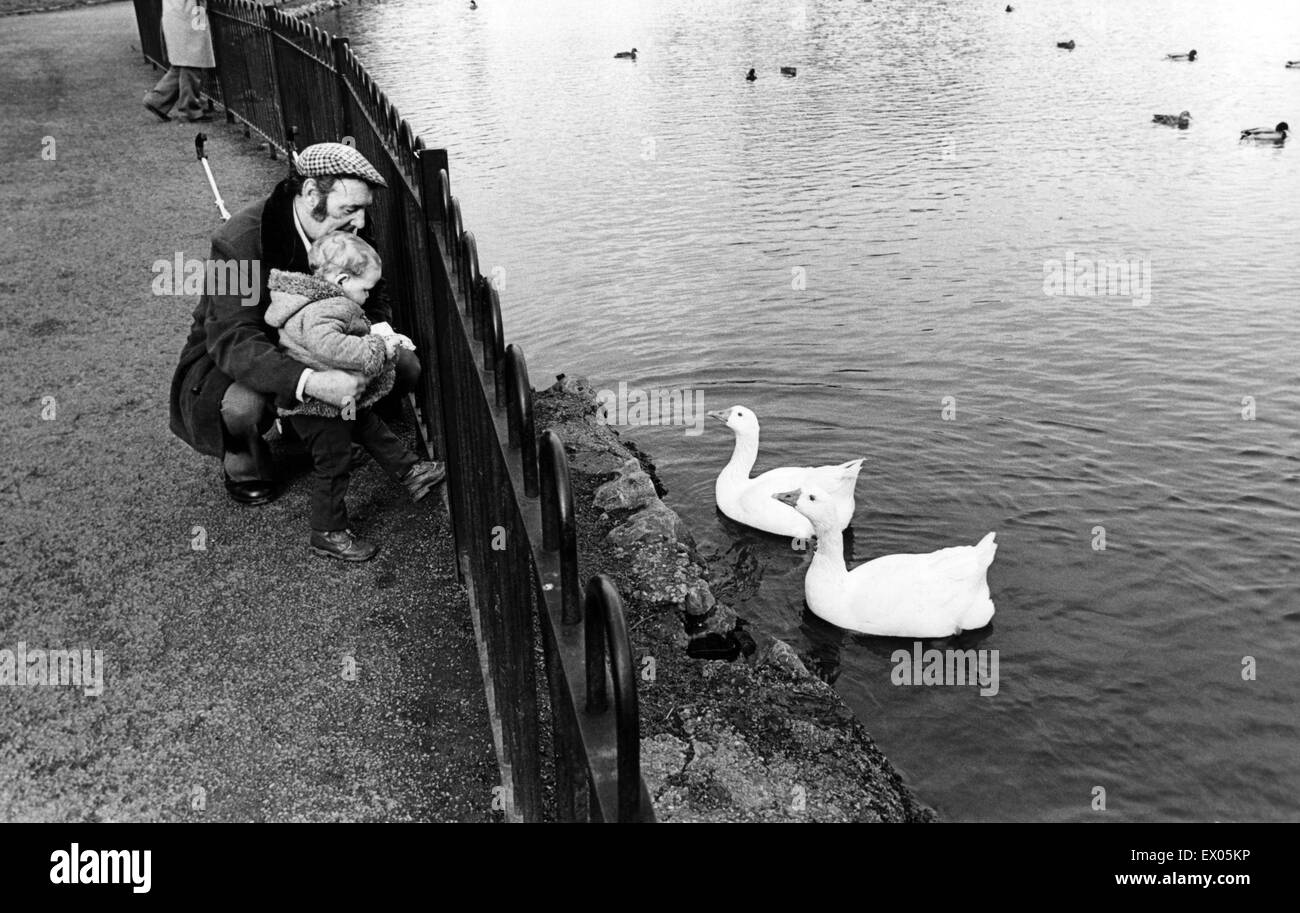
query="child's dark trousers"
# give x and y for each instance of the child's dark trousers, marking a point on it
(330, 441)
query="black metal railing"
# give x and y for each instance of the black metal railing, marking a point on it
(508, 489)
(148, 19)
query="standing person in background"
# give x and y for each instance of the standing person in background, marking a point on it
(189, 53)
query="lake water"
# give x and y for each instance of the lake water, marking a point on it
(843, 250)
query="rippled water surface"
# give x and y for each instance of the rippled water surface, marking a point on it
(646, 220)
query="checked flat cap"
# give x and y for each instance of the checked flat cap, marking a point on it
(337, 159)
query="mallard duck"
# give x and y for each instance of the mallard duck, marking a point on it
(1068, 45)
(473, 5)
(749, 501)
(934, 595)
(751, 75)
(1008, 8)
(1189, 56)
(626, 55)
(1293, 64)
(1264, 135)
(1173, 120)
(789, 71)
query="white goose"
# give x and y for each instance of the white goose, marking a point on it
(935, 595)
(749, 501)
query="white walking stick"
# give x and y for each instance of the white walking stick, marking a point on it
(198, 150)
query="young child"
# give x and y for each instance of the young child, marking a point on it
(322, 325)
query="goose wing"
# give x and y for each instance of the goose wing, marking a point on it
(928, 595)
(834, 479)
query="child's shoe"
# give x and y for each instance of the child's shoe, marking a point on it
(342, 544)
(422, 477)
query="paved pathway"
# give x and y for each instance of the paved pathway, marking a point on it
(224, 694)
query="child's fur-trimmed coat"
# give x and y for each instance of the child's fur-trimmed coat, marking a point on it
(324, 329)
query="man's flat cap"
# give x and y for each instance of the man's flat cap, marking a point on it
(338, 159)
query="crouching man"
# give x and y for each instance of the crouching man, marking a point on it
(232, 376)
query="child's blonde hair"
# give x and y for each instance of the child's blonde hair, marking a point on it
(342, 252)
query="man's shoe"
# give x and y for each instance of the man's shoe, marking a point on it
(341, 544)
(251, 493)
(422, 477)
(158, 113)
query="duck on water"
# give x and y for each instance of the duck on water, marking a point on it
(1180, 120)
(1265, 135)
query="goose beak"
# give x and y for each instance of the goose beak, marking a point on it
(789, 497)
(720, 414)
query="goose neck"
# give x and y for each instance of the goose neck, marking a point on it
(744, 455)
(830, 551)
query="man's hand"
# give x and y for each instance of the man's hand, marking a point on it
(335, 387)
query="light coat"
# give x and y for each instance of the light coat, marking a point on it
(187, 34)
